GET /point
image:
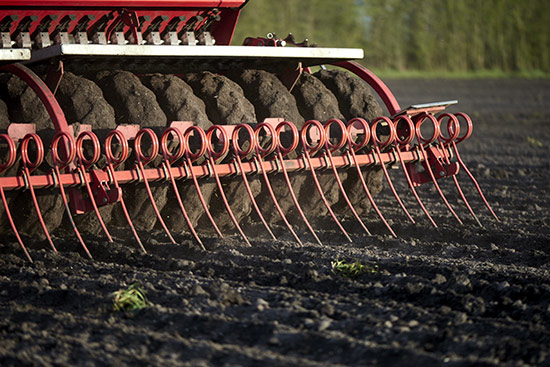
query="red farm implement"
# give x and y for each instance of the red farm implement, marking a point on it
(67, 59)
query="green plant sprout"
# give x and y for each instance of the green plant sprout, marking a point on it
(130, 299)
(352, 270)
(534, 142)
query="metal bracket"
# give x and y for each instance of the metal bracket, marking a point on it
(103, 193)
(435, 160)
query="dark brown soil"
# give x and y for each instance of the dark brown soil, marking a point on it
(457, 295)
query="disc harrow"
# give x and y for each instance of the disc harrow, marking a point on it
(92, 167)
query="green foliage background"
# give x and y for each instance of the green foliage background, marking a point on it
(446, 35)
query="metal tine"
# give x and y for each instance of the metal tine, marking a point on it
(28, 167)
(378, 144)
(262, 152)
(84, 164)
(70, 154)
(469, 131)
(329, 148)
(112, 163)
(190, 157)
(170, 158)
(243, 153)
(213, 155)
(307, 148)
(142, 160)
(421, 142)
(353, 147)
(12, 151)
(401, 141)
(453, 128)
(281, 152)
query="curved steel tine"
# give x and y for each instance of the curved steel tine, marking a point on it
(281, 163)
(57, 175)
(238, 152)
(259, 163)
(84, 163)
(369, 195)
(27, 176)
(463, 165)
(12, 152)
(458, 188)
(125, 211)
(141, 159)
(168, 158)
(111, 163)
(182, 207)
(211, 154)
(376, 143)
(189, 158)
(352, 147)
(453, 128)
(12, 224)
(474, 181)
(328, 148)
(275, 202)
(306, 147)
(70, 154)
(421, 142)
(397, 150)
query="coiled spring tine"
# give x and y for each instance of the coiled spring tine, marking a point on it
(329, 148)
(212, 156)
(402, 141)
(353, 147)
(463, 165)
(378, 144)
(281, 152)
(169, 158)
(453, 129)
(85, 163)
(260, 153)
(12, 151)
(307, 148)
(59, 163)
(143, 160)
(112, 163)
(421, 142)
(239, 152)
(190, 157)
(28, 167)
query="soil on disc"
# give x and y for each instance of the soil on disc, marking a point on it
(457, 295)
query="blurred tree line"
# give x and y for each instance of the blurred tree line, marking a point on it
(454, 35)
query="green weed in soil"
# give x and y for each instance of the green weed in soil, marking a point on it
(130, 299)
(352, 270)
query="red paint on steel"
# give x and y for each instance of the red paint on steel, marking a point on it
(212, 155)
(312, 149)
(380, 145)
(59, 163)
(169, 158)
(142, 160)
(258, 159)
(12, 151)
(241, 154)
(281, 165)
(124, 3)
(423, 141)
(402, 142)
(353, 147)
(329, 148)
